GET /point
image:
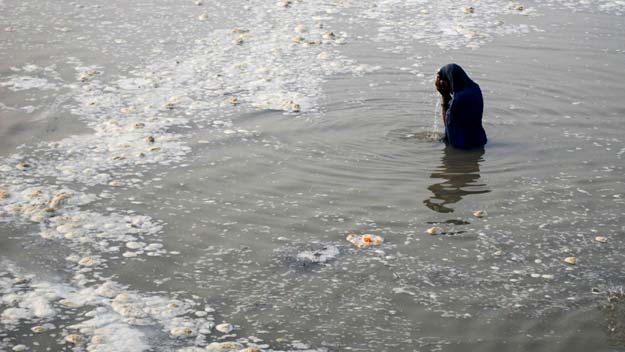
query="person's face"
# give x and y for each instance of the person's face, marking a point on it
(442, 85)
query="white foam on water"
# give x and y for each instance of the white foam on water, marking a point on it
(18, 83)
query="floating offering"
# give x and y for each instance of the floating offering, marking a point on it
(224, 328)
(86, 261)
(22, 166)
(38, 329)
(434, 231)
(181, 331)
(329, 35)
(364, 241)
(570, 260)
(74, 338)
(224, 346)
(479, 213)
(233, 100)
(601, 239)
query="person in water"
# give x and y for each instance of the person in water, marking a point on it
(462, 108)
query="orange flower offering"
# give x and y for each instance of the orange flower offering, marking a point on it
(364, 241)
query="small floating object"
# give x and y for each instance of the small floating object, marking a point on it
(323, 56)
(181, 331)
(233, 100)
(469, 9)
(116, 183)
(285, 3)
(498, 253)
(22, 166)
(298, 39)
(240, 30)
(134, 245)
(198, 3)
(290, 105)
(86, 261)
(138, 125)
(300, 28)
(74, 338)
(479, 213)
(224, 346)
(203, 17)
(434, 231)
(238, 41)
(570, 260)
(97, 340)
(149, 139)
(601, 239)
(38, 329)
(329, 35)
(59, 199)
(19, 348)
(224, 328)
(4, 194)
(364, 241)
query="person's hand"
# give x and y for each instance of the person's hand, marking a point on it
(443, 87)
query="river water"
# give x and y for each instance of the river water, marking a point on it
(170, 166)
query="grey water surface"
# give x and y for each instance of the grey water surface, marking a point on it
(236, 191)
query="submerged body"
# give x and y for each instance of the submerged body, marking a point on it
(463, 106)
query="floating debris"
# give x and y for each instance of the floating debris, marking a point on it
(116, 183)
(224, 328)
(181, 331)
(203, 17)
(364, 241)
(74, 338)
(434, 231)
(86, 75)
(4, 194)
(86, 261)
(238, 41)
(240, 30)
(59, 199)
(19, 348)
(570, 260)
(469, 9)
(291, 106)
(22, 166)
(298, 39)
(322, 255)
(233, 100)
(300, 28)
(323, 56)
(150, 139)
(498, 253)
(601, 239)
(38, 329)
(223, 346)
(329, 36)
(199, 3)
(138, 125)
(479, 213)
(285, 3)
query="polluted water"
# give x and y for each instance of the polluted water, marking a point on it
(255, 175)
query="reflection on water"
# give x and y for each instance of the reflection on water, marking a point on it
(459, 176)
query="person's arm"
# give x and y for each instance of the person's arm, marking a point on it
(445, 107)
(443, 88)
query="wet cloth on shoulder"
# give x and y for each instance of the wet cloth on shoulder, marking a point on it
(464, 117)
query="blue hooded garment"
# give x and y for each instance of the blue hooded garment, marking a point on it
(464, 117)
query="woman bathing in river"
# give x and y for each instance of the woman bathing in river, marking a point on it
(462, 108)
